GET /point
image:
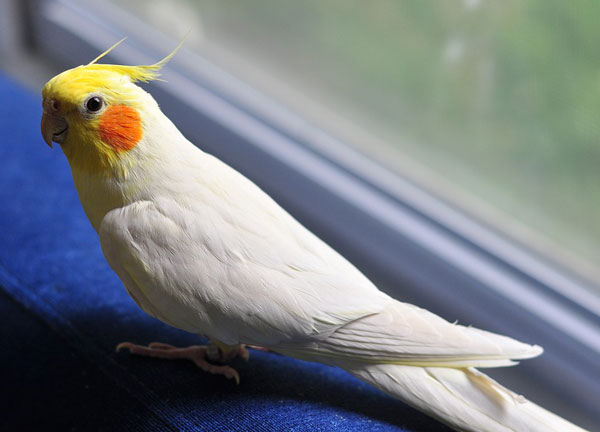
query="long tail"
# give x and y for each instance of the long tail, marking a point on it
(465, 399)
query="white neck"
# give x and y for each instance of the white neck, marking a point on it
(155, 166)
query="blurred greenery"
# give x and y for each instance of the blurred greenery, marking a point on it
(499, 97)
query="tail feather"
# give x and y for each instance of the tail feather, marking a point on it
(465, 399)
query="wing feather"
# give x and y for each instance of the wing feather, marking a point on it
(405, 334)
(225, 260)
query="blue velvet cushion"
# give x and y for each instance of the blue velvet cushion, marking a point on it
(63, 311)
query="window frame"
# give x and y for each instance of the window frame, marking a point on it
(412, 244)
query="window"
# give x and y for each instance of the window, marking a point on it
(490, 106)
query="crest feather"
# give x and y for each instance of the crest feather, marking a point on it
(144, 73)
(113, 46)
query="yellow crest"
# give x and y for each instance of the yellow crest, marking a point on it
(144, 73)
(72, 86)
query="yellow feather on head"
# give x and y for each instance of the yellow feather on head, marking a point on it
(144, 73)
(116, 85)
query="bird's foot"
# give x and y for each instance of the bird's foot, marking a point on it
(222, 353)
(195, 353)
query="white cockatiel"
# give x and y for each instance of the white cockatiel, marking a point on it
(200, 247)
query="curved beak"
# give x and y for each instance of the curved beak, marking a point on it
(54, 128)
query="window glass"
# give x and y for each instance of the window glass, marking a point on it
(491, 105)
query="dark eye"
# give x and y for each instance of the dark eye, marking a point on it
(94, 104)
(55, 105)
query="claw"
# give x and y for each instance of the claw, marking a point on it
(126, 345)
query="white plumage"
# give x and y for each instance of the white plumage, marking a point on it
(200, 247)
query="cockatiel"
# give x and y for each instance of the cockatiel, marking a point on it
(200, 247)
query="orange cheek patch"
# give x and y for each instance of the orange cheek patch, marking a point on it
(120, 127)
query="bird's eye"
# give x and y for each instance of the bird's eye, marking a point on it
(94, 104)
(54, 105)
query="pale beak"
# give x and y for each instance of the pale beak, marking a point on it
(54, 128)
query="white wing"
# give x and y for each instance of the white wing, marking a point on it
(230, 263)
(226, 261)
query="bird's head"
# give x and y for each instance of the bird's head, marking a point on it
(97, 113)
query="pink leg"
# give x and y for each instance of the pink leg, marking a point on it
(195, 353)
(224, 353)
(258, 348)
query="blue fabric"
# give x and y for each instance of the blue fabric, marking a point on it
(63, 311)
